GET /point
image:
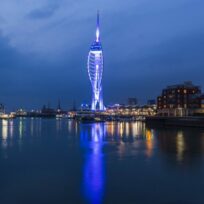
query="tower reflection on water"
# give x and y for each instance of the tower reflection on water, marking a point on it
(93, 173)
(93, 138)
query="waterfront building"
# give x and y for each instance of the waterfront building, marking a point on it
(179, 100)
(95, 70)
(21, 113)
(131, 111)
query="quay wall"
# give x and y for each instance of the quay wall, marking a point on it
(175, 121)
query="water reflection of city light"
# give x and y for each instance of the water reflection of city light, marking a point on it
(180, 145)
(21, 128)
(127, 128)
(58, 124)
(137, 129)
(93, 174)
(7, 132)
(31, 126)
(121, 129)
(5, 135)
(76, 128)
(38, 126)
(110, 128)
(149, 142)
(70, 125)
(11, 128)
(4, 129)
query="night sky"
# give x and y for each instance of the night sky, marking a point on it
(147, 45)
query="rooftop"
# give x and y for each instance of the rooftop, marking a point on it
(186, 84)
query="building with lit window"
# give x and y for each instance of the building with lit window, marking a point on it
(95, 71)
(179, 100)
(131, 111)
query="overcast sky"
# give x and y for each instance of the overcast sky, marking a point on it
(147, 45)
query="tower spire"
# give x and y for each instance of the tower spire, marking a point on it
(97, 27)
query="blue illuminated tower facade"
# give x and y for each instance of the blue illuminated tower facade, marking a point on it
(95, 70)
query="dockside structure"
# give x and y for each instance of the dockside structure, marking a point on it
(180, 100)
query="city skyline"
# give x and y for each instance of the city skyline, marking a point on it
(43, 49)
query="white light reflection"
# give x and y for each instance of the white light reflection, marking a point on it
(4, 136)
(4, 129)
(137, 129)
(31, 126)
(21, 128)
(11, 128)
(180, 145)
(127, 128)
(70, 126)
(121, 129)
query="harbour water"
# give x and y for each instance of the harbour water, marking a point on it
(62, 161)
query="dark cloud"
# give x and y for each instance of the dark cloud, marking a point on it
(45, 12)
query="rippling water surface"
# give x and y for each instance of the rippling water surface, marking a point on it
(61, 161)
